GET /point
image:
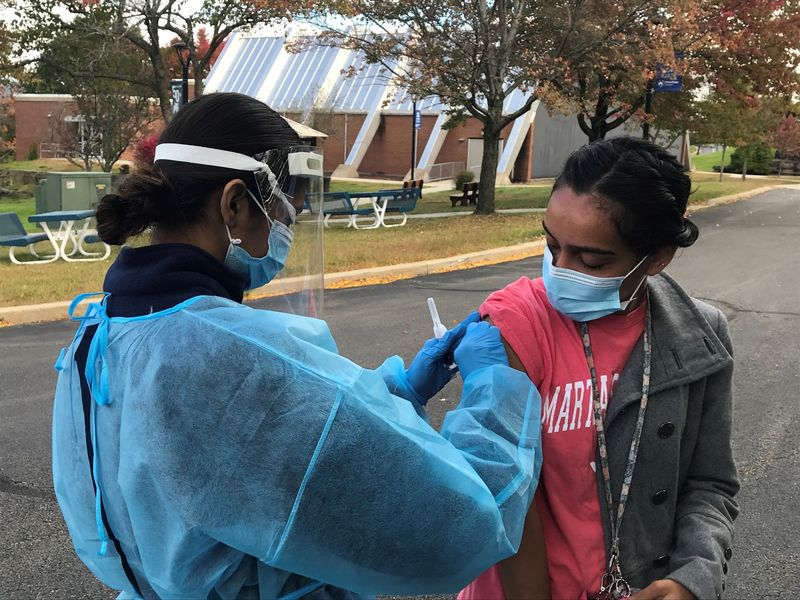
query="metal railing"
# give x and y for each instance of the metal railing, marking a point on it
(445, 171)
(55, 150)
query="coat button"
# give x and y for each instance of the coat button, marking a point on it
(660, 497)
(666, 430)
(725, 568)
(661, 561)
(728, 553)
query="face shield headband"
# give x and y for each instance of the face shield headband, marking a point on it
(281, 173)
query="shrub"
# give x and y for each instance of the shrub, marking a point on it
(145, 151)
(33, 152)
(759, 159)
(462, 178)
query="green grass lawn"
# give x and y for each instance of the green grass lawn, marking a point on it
(516, 196)
(24, 208)
(338, 185)
(707, 162)
(347, 249)
(46, 164)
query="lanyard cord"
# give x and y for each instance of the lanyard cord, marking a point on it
(601, 435)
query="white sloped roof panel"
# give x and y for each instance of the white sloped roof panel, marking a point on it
(249, 66)
(360, 92)
(403, 103)
(515, 100)
(302, 78)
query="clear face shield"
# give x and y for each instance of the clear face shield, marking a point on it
(287, 183)
(297, 171)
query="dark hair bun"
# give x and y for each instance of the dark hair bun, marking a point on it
(141, 200)
(688, 235)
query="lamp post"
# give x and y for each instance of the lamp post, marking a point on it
(413, 134)
(648, 106)
(182, 50)
(656, 21)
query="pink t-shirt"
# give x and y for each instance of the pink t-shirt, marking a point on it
(550, 348)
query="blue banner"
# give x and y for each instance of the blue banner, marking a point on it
(666, 80)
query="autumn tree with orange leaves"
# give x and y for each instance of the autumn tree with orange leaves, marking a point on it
(740, 48)
(474, 54)
(786, 139)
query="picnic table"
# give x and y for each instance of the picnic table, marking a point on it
(61, 230)
(365, 204)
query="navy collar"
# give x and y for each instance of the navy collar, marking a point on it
(154, 278)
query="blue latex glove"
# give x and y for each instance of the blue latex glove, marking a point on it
(430, 369)
(480, 347)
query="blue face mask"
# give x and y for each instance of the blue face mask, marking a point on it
(583, 297)
(260, 271)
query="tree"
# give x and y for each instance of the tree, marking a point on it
(206, 55)
(737, 46)
(7, 127)
(473, 54)
(733, 121)
(141, 25)
(110, 113)
(611, 84)
(786, 139)
(110, 123)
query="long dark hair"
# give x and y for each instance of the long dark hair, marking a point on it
(646, 187)
(172, 195)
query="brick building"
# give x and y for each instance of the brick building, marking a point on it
(41, 121)
(369, 122)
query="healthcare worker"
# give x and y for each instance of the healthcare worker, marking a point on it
(206, 449)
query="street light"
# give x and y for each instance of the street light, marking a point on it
(656, 21)
(182, 50)
(648, 105)
(413, 134)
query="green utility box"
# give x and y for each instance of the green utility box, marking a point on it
(71, 191)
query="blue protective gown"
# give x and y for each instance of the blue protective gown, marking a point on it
(238, 455)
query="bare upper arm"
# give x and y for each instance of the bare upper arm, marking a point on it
(513, 359)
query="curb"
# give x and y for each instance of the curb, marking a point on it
(731, 198)
(391, 273)
(56, 311)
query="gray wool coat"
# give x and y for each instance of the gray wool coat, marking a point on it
(678, 522)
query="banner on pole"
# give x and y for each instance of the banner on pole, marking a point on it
(666, 79)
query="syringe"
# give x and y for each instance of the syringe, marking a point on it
(438, 329)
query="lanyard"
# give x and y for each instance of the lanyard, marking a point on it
(613, 584)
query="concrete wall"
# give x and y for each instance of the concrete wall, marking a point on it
(554, 138)
(557, 136)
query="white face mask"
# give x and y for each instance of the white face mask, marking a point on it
(583, 297)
